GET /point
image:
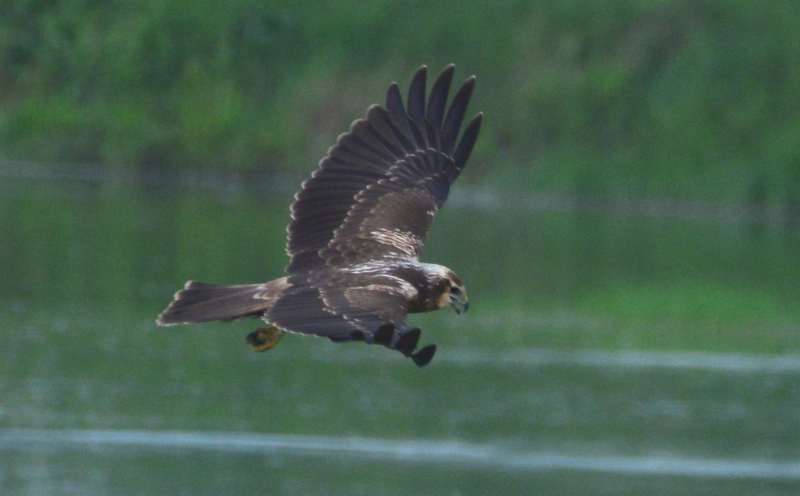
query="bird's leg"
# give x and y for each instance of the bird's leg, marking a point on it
(264, 338)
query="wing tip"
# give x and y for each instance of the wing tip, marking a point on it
(447, 71)
(424, 356)
(375, 108)
(476, 121)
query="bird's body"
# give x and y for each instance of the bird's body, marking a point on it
(357, 230)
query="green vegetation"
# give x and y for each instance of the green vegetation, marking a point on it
(686, 99)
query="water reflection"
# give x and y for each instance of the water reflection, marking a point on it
(593, 335)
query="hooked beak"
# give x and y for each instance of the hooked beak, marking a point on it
(460, 303)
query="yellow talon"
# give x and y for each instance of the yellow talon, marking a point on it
(265, 338)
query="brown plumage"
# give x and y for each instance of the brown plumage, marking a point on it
(357, 230)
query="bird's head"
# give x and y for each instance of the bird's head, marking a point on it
(453, 292)
(457, 295)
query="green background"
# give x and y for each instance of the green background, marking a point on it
(627, 229)
(689, 99)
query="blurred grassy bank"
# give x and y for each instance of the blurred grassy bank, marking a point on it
(683, 99)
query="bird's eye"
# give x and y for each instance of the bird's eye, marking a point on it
(454, 290)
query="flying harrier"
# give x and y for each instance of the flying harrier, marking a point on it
(357, 230)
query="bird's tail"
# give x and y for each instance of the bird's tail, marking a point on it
(201, 302)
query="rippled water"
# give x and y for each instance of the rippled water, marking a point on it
(605, 353)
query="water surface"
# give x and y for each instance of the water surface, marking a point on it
(605, 353)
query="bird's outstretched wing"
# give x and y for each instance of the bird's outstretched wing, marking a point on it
(377, 190)
(345, 310)
(337, 307)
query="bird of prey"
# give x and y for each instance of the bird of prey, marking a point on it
(357, 230)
